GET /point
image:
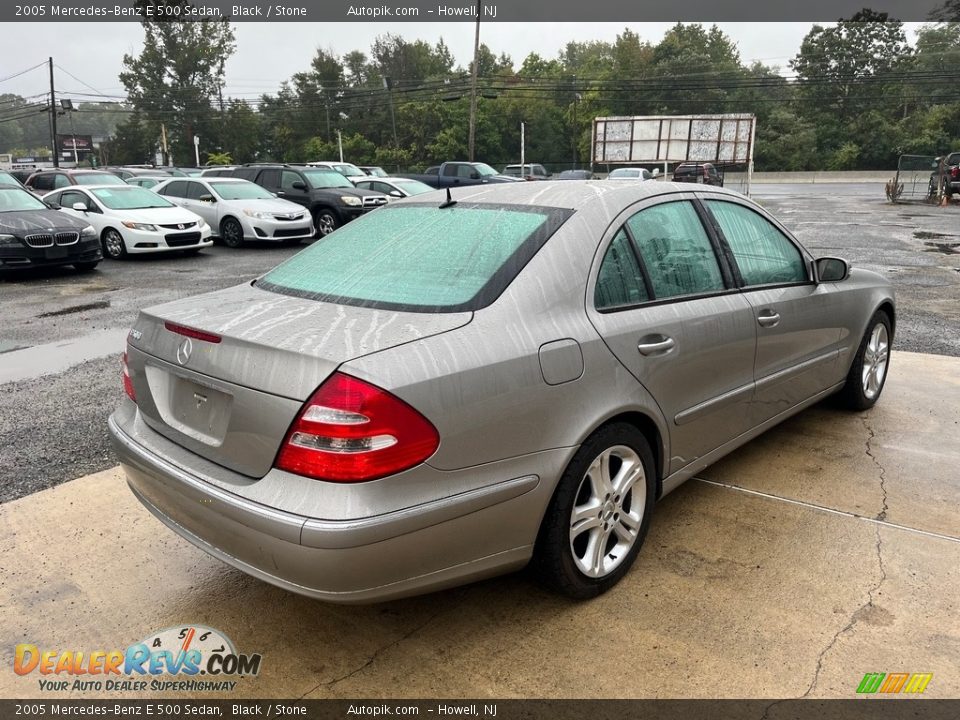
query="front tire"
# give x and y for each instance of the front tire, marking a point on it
(599, 514)
(325, 221)
(113, 245)
(231, 232)
(868, 373)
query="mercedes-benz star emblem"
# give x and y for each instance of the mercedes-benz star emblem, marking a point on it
(183, 352)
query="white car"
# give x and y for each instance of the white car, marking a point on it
(131, 219)
(630, 173)
(350, 171)
(394, 188)
(240, 210)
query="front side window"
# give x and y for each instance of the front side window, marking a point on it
(620, 281)
(676, 250)
(420, 258)
(764, 255)
(60, 181)
(195, 191)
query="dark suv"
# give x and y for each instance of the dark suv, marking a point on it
(331, 198)
(44, 181)
(704, 173)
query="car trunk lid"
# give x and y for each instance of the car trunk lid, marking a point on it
(224, 374)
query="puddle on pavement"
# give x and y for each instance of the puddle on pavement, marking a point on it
(928, 235)
(99, 305)
(945, 248)
(55, 357)
(9, 346)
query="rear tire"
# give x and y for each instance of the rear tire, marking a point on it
(868, 373)
(231, 232)
(599, 514)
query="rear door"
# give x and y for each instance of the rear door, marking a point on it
(665, 304)
(798, 339)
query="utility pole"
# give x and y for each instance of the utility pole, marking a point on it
(340, 143)
(472, 141)
(53, 118)
(163, 140)
(388, 84)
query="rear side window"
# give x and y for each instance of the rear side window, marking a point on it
(620, 281)
(764, 255)
(676, 250)
(420, 258)
(178, 188)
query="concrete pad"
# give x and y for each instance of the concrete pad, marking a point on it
(897, 461)
(734, 594)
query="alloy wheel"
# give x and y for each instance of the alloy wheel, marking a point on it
(875, 359)
(607, 514)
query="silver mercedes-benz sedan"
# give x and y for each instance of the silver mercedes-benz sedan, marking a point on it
(452, 388)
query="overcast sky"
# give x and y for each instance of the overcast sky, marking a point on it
(268, 53)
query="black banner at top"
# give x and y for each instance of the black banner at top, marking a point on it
(467, 10)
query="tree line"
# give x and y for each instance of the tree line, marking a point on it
(856, 96)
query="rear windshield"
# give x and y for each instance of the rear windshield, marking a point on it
(101, 178)
(419, 258)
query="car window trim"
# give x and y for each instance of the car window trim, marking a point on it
(805, 257)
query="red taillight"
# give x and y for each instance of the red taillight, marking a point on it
(191, 333)
(955, 172)
(127, 385)
(352, 431)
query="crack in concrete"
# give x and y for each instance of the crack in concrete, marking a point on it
(376, 653)
(872, 593)
(882, 515)
(875, 589)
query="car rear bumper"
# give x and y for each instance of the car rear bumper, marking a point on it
(437, 544)
(13, 257)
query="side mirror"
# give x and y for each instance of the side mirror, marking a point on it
(396, 194)
(299, 185)
(474, 175)
(831, 269)
(656, 172)
(80, 207)
(208, 198)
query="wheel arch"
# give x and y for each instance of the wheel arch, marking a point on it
(650, 431)
(887, 307)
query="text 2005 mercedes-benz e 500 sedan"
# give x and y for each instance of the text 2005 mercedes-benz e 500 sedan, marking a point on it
(445, 390)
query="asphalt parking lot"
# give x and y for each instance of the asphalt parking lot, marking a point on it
(825, 549)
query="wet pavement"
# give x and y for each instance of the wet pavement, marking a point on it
(827, 548)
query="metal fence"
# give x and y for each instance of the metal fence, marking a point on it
(915, 181)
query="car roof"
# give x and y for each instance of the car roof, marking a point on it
(576, 193)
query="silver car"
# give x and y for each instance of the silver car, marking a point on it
(239, 210)
(451, 388)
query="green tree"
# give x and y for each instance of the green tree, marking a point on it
(179, 75)
(847, 68)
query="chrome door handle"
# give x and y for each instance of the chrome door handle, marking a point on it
(657, 347)
(768, 319)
